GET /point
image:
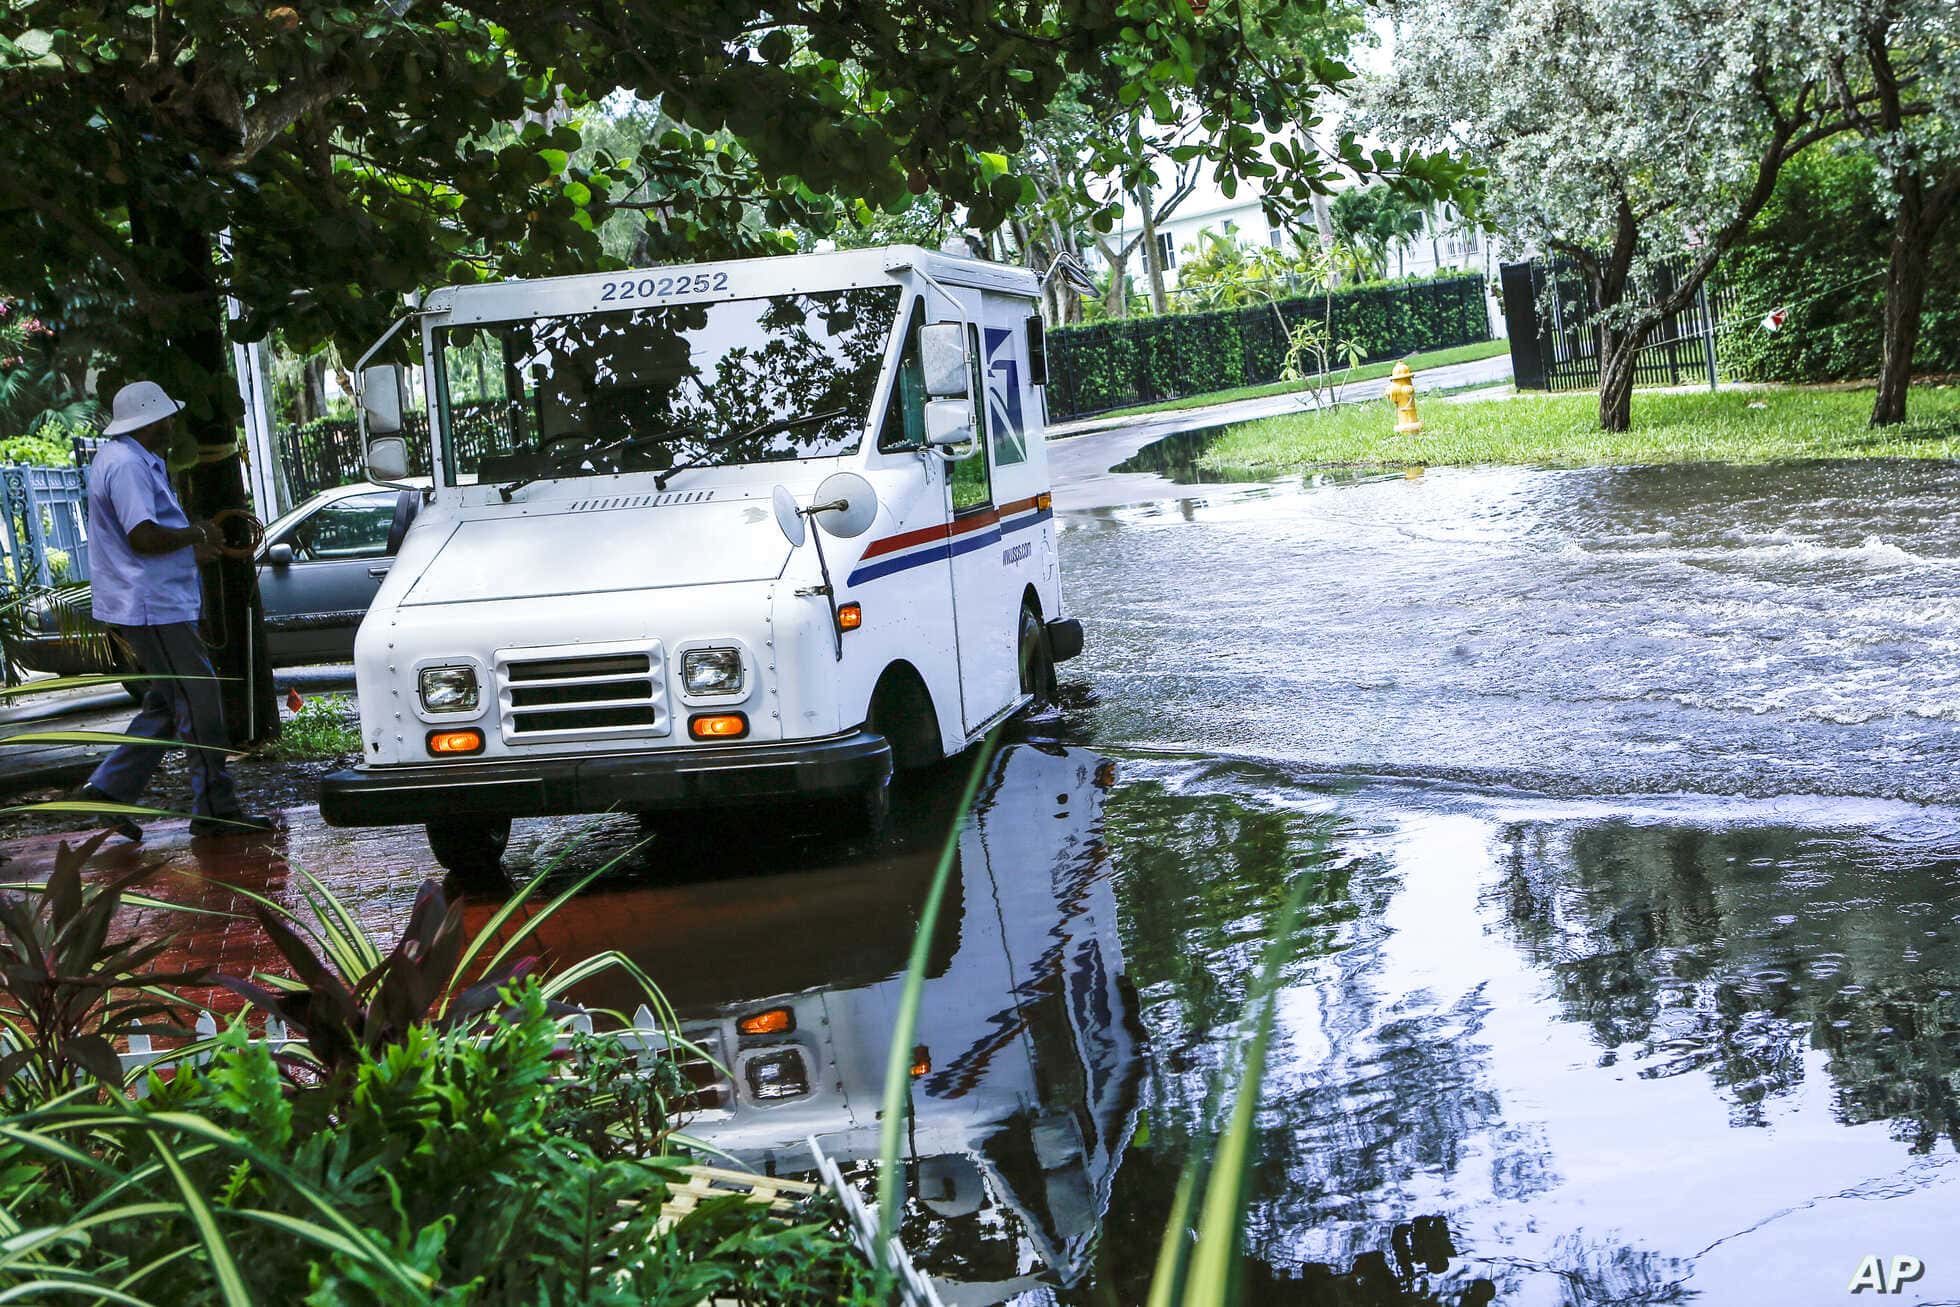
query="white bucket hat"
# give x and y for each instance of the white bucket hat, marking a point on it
(138, 405)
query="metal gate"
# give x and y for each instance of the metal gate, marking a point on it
(46, 510)
(1549, 313)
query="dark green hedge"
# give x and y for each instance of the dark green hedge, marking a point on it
(1820, 249)
(1143, 360)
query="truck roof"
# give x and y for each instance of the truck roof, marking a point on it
(721, 280)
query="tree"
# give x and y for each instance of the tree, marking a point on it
(1371, 221)
(1894, 70)
(1641, 160)
(317, 162)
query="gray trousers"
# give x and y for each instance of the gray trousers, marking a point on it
(189, 709)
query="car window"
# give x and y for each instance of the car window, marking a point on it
(355, 527)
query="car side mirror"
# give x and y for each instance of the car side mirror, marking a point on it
(381, 399)
(942, 355)
(280, 555)
(949, 422)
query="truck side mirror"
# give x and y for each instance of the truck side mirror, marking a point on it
(387, 458)
(942, 356)
(381, 399)
(948, 422)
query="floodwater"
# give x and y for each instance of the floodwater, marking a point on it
(1624, 803)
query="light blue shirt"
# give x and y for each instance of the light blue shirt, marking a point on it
(128, 486)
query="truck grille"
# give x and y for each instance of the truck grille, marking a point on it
(708, 1089)
(568, 693)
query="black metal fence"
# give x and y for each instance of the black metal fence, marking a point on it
(1129, 361)
(1551, 317)
(327, 453)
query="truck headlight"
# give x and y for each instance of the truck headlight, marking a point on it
(449, 689)
(778, 1075)
(712, 671)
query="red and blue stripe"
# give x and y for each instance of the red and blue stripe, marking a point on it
(948, 540)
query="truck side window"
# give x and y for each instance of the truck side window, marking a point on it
(905, 409)
(971, 487)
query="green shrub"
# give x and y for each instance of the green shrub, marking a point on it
(51, 446)
(445, 1174)
(1114, 364)
(1820, 249)
(324, 727)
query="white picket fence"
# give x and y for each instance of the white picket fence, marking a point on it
(645, 1036)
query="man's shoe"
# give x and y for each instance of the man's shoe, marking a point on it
(118, 822)
(236, 823)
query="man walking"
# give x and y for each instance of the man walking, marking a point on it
(143, 557)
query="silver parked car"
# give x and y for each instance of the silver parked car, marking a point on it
(319, 569)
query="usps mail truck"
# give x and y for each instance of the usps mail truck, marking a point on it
(702, 542)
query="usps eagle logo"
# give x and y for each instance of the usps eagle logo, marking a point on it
(1004, 397)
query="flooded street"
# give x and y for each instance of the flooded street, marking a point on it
(1623, 799)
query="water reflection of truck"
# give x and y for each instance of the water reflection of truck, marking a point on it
(1028, 1049)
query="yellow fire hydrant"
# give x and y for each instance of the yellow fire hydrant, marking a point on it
(1402, 394)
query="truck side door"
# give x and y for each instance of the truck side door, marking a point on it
(985, 611)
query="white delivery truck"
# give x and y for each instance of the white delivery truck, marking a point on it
(705, 540)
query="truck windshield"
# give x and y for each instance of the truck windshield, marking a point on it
(656, 387)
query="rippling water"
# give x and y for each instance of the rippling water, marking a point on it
(1723, 630)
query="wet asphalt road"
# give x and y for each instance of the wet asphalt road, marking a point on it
(1630, 962)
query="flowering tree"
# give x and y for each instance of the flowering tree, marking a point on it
(1894, 67)
(1621, 135)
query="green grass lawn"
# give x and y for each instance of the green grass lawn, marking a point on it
(1436, 358)
(1563, 431)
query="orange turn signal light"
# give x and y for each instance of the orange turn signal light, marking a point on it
(772, 1021)
(850, 617)
(1044, 501)
(921, 1060)
(718, 726)
(455, 742)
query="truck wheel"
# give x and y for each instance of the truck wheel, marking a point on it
(472, 848)
(1037, 664)
(875, 809)
(851, 817)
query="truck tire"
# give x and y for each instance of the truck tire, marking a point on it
(851, 817)
(470, 848)
(1037, 663)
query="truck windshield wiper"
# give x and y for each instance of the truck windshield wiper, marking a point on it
(776, 427)
(619, 446)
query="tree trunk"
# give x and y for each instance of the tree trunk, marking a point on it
(1922, 212)
(1618, 352)
(313, 393)
(1905, 296)
(1323, 225)
(190, 359)
(1153, 258)
(1116, 301)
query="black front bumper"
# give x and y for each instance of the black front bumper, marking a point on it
(634, 782)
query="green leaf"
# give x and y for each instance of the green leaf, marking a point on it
(224, 1268)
